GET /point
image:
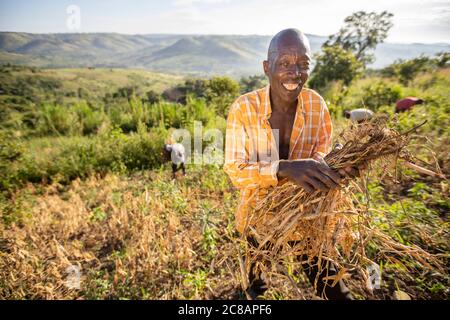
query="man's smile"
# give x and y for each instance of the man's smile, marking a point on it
(291, 86)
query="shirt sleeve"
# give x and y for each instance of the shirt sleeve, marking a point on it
(241, 164)
(325, 132)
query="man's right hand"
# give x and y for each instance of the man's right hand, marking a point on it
(309, 174)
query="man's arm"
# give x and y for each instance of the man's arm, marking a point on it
(243, 169)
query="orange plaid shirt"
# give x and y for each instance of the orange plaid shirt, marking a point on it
(251, 150)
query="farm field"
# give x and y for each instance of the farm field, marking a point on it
(84, 190)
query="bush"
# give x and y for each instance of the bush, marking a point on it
(56, 120)
(88, 119)
(11, 150)
(143, 150)
(221, 92)
(407, 70)
(379, 94)
(65, 158)
(251, 83)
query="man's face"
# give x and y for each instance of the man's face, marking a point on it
(288, 69)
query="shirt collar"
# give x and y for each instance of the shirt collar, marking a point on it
(265, 110)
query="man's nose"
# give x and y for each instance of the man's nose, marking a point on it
(295, 71)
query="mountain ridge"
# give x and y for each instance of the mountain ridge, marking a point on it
(175, 53)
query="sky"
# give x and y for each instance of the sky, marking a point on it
(422, 21)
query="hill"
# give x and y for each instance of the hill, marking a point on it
(187, 54)
(35, 84)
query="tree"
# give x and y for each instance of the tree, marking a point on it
(334, 63)
(222, 87)
(362, 31)
(221, 91)
(252, 83)
(442, 59)
(153, 97)
(407, 70)
(345, 53)
(125, 92)
(197, 87)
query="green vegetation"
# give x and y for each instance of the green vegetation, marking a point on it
(80, 167)
(335, 63)
(345, 54)
(362, 31)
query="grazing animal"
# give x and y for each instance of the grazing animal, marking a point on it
(407, 103)
(177, 154)
(359, 115)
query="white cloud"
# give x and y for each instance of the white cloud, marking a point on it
(191, 2)
(322, 17)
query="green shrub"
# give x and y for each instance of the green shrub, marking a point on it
(334, 63)
(89, 119)
(65, 158)
(11, 150)
(143, 150)
(380, 93)
(56, 120)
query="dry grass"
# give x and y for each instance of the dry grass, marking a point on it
(130, 238)
(332, 226)
(145, 237)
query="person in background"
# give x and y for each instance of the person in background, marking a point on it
(177, 154)
(406, 104)
(358, 115)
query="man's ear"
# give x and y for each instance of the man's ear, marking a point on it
(266, 67)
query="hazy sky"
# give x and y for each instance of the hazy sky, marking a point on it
(423, 21)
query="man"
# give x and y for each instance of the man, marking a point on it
(256, 157)
(358, 115)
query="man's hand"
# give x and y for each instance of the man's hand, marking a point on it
(352, 172)
(309, 174)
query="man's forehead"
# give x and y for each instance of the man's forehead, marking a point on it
(290, 51)
(290, 42)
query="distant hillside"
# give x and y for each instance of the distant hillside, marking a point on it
(181, 54)
(22, 85)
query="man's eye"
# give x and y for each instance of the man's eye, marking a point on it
(304, 66)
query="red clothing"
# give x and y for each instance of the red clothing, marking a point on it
(406, 103)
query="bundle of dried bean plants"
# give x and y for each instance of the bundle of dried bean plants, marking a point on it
(331, 227)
